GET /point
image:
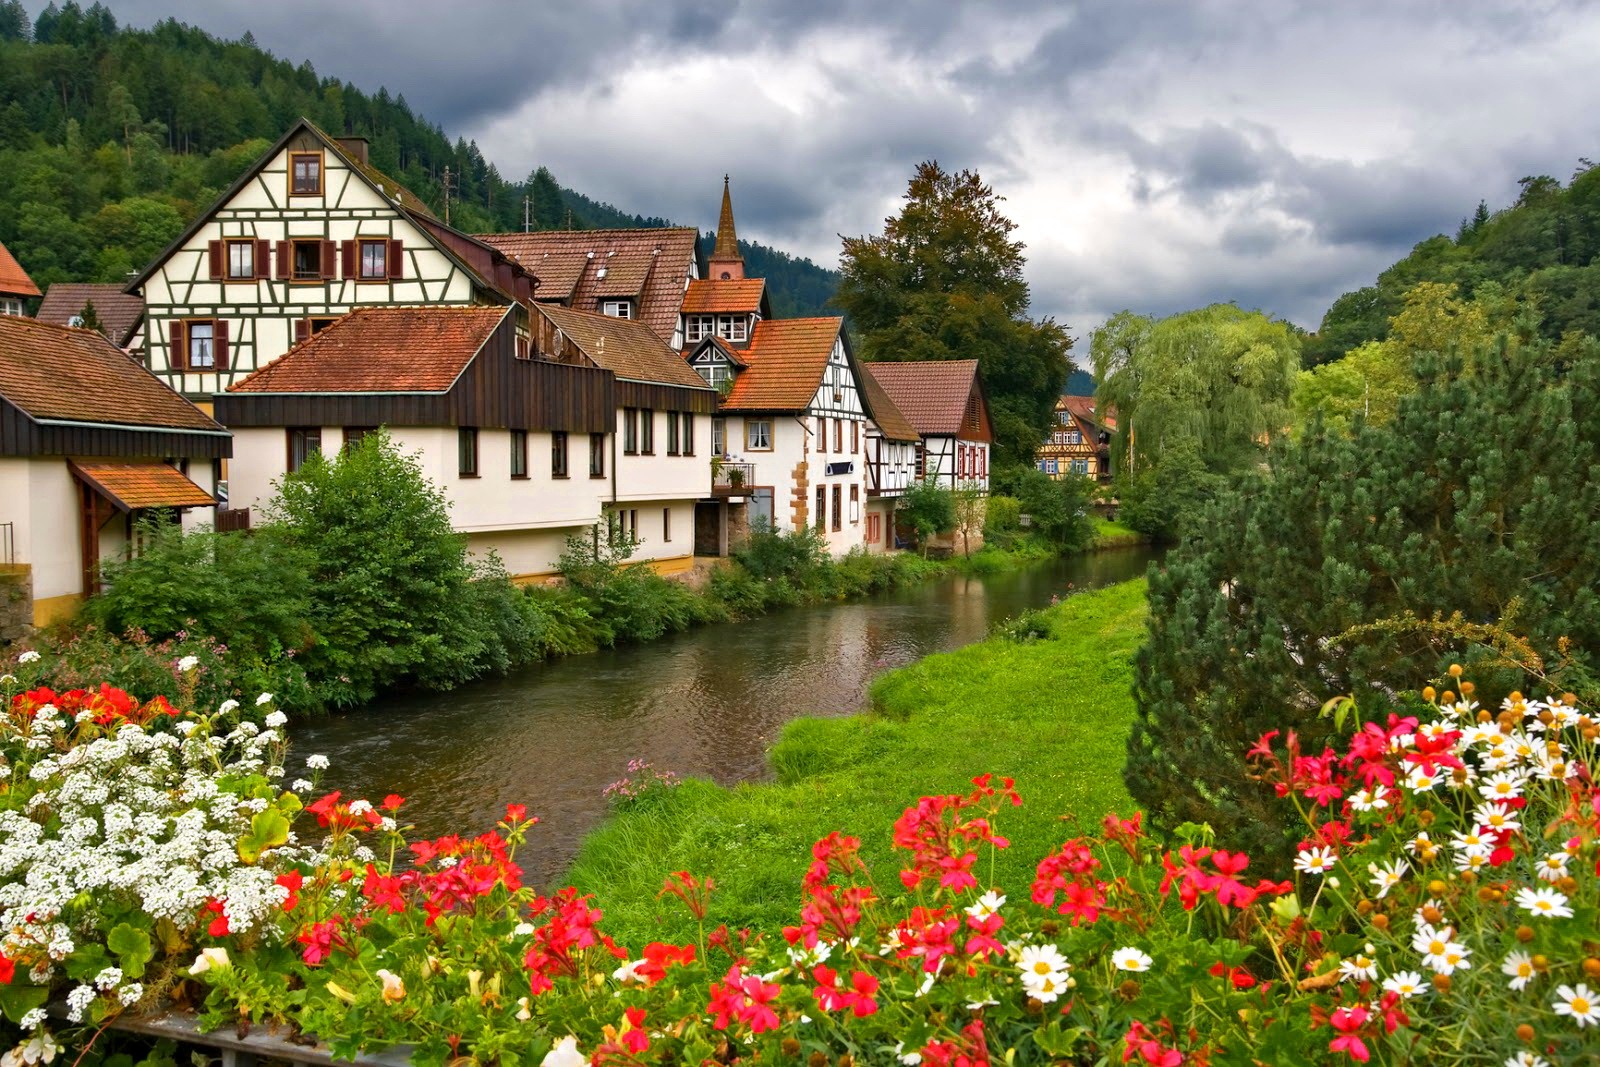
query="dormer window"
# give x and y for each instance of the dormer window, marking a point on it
(733, 327)
(699, 327)
(716, 375)
(617, 309)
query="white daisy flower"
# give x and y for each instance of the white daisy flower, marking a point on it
(1387, 877)
(1373, 799)
(1406, 984)
(1503, 785)
(1362, 968)
(1492, 818)
(986, 905)
(1040, 960)
(1130, 959)
(1545, 902)
(1519, 968)
(1527, 1059)
(1314, 860)
(1421, 780)
(1553, 867)
(1579, 1002)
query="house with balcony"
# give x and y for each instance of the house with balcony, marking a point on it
(511, 435)
(309, 232)
(945, 402)
(654, 467)
(90, 444)
(1080, 442)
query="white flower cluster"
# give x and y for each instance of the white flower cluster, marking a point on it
(128, 815)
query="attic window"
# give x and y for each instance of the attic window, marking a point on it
(617, 309)
(733, 327)
(305, 173)
(699, 327)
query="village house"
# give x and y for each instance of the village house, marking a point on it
(308, 233)
(655, 465)
(636, 274)
(944, 402)
(1080, 443)
(510, 438)
(892, 444)
(90, 443)
(16, 288)
(120, 314)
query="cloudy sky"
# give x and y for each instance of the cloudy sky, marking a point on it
(1155, 155)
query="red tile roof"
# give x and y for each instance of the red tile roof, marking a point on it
(151, 484)
(57, 373)
(118, 312)
(14, 281)
(785, 362)
(626, 348)
(890, 419)
(1082, 408)
(707, 296)
(382, 350)
(647, 265)
(932, 394)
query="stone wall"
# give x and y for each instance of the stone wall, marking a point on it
(16, 603)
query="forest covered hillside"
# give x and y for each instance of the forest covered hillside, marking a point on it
(112, 139)
(1535, 263)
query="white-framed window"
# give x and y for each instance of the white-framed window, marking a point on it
(733, 327)
(617, 309)
(201, 341)
(699, 327)
(10, 306)
(758, 435)
(719, 437)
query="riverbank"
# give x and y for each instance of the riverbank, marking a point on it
(1053, 713)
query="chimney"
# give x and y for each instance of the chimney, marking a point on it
(354, 147)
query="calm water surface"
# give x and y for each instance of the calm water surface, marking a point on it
(705, 703)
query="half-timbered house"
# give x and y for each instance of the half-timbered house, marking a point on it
(16, 288)
(892, 444)
(637, 274)
(1079, 443)
(309, 232)
(458, 388)
(90, 442)
(655, 466)
(945, 402)
(791, 427)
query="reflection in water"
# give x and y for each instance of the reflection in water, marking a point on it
(703, 703)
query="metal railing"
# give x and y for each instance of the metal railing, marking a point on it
(245, 1048)
(733, 479)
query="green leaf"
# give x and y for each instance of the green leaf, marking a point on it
(1287, 908)
(132, 948)
(87, 961)
(268, 829)
(18, 1000)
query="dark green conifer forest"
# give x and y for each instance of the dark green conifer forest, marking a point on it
(111, 139)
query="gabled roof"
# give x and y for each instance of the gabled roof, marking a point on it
(628, 349)
(932, 394)
(785, 362)
(404, 201)
(708, 296)
(14, 281)
(1082, 409)
(119, 312)
(382, 350)
(647, 265)
(890, 419)
(58, 374)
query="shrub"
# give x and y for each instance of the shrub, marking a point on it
(1003, 522)
(1058, 508)
(635, 603)
(390, 596)
(928, 508)
(1163, 500)
(768, 554)
(1356, 561)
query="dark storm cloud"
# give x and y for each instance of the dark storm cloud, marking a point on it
(1155, 154)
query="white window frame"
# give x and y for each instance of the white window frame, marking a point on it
(617, 309)
(699, 327)
(733, 327)
(751, 436)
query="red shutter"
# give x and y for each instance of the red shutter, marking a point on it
(218, 264)
(177, 357)
(302, 330)
(396, 260)
(263, 253)
(330, 260)
(219, 342)
(283, 261)
(347, 252)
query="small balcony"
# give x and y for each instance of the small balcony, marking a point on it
(732, 479)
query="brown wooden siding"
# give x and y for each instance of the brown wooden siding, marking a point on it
(665, 397)
(496, 391)
(20, 435)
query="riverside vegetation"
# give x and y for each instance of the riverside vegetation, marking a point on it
(355, 585)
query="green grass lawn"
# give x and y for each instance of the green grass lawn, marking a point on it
(1111, 534)
(1054, 714)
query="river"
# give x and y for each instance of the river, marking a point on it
(705, 703)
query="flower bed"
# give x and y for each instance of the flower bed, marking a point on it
(1443, 909)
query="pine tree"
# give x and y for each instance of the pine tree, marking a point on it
(1481, 497)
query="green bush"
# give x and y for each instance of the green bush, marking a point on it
(1357, 562)
(928, 508)
(1057, 508)
(1003, 522)
(768, 554)
(1162, 501)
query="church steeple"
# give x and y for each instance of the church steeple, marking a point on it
(725, 261)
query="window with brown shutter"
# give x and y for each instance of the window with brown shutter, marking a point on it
(176, 350)
(219, 343)
(306, 260)
(347, 259)
(373, 262)
(396, 257)
(283, 266)
(238, 259)
(838, 493)
(302, 330)
(330, 260)
(214, 260)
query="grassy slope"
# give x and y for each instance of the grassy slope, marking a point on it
(1110, 534)
(1054, 714)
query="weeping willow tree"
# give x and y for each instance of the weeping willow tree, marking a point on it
(1198, 396)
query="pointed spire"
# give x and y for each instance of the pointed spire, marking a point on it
(725, 260)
